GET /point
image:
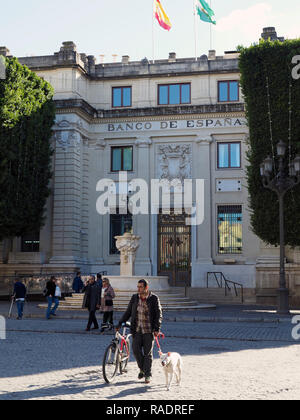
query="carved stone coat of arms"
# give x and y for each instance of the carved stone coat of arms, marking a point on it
(174, 161)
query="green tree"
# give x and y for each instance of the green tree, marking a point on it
(27, 114)
(267, 83)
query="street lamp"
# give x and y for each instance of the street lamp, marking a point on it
(281, 184)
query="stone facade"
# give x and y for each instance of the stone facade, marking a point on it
(170, 141)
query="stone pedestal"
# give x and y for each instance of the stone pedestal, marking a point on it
(128, 245)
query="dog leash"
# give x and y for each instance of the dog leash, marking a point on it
(160, 335)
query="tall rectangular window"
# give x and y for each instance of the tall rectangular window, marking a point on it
(30, 242)
(119, 224)
(121, 97)
(228, 91)
(122, 158)
(230, 229)
(174, 94)
(229, 155)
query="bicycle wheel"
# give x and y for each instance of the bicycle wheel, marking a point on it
(124, 357)
(110, 363)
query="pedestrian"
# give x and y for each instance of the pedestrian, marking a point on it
(19, 295)
(99, 282)
(107, 304)
(145, 312)
(92, 301)
(50, 294)
(77, 283)
(56, 299)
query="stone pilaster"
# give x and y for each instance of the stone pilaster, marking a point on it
(142, 225)
(86, 204)
(67, 200)
(96, 152)
(202, 235)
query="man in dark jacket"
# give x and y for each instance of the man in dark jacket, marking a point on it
(19, 295)
(146, 316)
(77, 283)
(92, 301)
(50, 295)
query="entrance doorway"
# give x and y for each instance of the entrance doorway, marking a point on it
(174, 249)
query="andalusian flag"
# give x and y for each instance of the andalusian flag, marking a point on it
(161, 15)
(205, 12)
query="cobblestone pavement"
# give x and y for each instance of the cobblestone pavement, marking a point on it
(56, 359)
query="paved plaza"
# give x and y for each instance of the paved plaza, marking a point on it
(56, 359)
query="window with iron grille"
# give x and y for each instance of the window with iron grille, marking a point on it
(230, 230)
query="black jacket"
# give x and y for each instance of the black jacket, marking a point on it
(92, 297)
(155, 313)
(19, 290)
(51, 286)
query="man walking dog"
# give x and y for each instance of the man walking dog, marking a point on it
(145, 312)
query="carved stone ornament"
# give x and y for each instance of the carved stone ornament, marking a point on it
(63, 124)
(175, 161)
(204, 140)
(143, 142)
(68, 138)
(97, 144)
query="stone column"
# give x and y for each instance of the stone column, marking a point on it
(201, 245)
(67, 199)
(142, 222)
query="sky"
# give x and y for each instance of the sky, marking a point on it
(124, 27)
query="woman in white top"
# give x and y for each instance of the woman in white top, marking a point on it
(56, 299)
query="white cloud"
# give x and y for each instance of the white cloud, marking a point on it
(246, 23)
(293, 32)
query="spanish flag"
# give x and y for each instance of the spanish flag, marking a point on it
(161, 15)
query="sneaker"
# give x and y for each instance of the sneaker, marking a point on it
(141, 375)
(147, 379)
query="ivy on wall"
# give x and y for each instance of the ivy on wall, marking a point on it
(267, 83)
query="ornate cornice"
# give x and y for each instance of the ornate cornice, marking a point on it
(90, 114)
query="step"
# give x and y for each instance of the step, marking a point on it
(122, 309)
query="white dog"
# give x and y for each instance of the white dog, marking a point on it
(172, 363)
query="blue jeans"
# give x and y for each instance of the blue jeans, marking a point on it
(20, 306)
(50, 310)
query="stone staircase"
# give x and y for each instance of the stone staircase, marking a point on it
(172, 300)
(217, 296)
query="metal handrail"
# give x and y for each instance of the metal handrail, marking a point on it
(226, 281)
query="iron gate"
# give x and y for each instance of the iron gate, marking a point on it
(174, 249)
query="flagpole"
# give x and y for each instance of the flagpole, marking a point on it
(153, 40)
(195, 28)
(210, 32)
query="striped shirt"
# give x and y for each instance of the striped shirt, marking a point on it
(143, 319)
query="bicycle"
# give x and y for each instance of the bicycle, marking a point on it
(117, 355)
